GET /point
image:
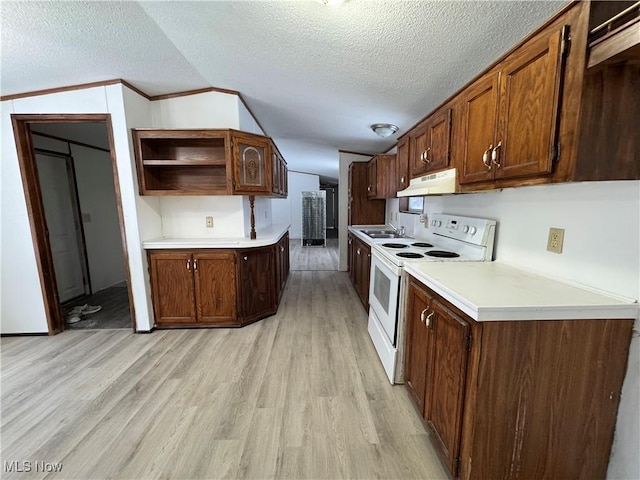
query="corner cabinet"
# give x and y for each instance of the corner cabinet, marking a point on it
(208, 162)
(514, 399)
(216, 287)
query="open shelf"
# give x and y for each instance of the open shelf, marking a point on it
(185, 180)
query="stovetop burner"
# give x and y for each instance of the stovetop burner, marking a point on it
(442, 254)
(422, 245)
(409, 255)
(394, 245)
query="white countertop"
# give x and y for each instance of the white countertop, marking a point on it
(265, 236)
(496, 291)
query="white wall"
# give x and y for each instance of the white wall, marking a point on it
(345, 160)
(289, 210)
(98, 201)
(203, 110)
(601, 250)
(97, 197)
(246, 121)
(185, 216)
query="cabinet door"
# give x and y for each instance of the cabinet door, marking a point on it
(257, 283)
(275, 173)
(215, 278)
(418, 151)
(447, 378)
(172, 287)
(530, 93)
(372, 175)
(479, 123)
(251, 164)
(417, 350)
(439, 138)
(351, 257)
(365, 273)
(402, 164)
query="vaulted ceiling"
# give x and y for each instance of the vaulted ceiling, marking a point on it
(316, 77)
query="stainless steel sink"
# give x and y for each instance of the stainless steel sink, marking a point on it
(379, 232)
(385, 235)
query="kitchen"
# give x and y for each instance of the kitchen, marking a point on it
(585, 210)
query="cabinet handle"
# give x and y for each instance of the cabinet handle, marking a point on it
(426, 155)
(282, 249)
(195, 264)
(495, 154)
(402, 180)
(358, 251)
(369, 188)
(189, 265)
(422, 314)
(245, 258)
(485, 157)
(350, 241)
(427, 321)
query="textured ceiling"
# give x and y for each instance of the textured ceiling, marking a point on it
(311, 74)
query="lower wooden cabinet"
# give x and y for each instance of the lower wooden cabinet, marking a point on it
(257, 283)
(193, 288)
(514, 399)
(213, 287)
(359, 260)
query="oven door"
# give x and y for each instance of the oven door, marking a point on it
(383, 294)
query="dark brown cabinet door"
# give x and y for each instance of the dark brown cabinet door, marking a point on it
(447, 380)
(530, 90)
(251, 164)
(418, 151)
(282, 263)
(402, 164)
(439, 137)
(351, 258)
(372, 174)
(417, 344)
(430, 144)
(257, 284)
(365, 273)
(215, 280)
(172, 286)
(361, 209)
(479, 121)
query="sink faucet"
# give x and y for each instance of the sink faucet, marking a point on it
(399, 231)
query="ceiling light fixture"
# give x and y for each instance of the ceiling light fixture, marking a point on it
(384, 129)
(330, 2)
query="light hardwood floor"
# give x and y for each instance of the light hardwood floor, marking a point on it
(314, 258)
(300, 395)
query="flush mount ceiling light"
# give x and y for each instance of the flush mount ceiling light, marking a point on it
(330, 2)
(384, 129)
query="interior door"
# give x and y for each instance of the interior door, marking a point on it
(59, 200)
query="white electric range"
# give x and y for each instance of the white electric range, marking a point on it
(451, 238)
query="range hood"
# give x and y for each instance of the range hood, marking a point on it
(433, 184)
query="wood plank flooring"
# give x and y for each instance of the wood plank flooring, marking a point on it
(314, 258)
(300, 395)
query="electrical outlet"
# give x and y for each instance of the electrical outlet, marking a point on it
(556, 239)
(209, 222)
(423, 218)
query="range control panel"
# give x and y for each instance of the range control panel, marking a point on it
(473, 230)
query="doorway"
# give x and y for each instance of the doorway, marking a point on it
(70, 179)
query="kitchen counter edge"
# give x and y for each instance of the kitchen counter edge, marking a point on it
(265, 237)
(516, 304)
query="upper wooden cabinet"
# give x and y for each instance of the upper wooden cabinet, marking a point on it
(510, 117)
(402, 164)
(208, 162)
(362, 210)
(430, 144)
(381, 172)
